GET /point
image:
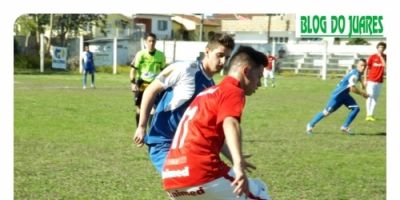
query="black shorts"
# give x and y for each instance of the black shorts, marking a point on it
(139, 94)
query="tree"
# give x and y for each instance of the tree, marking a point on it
(357, 41)
(73, 23)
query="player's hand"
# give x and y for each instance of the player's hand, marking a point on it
(134, 87)
(138, 138)
(240, 183)
(248, 167)
(365, 95)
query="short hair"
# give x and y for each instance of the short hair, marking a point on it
(150, 35)
(362, 59)
(381, 44)
(248, 55)
(217, 39)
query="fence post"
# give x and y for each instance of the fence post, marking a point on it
(41, 52)
(80, 53)
(174, 51)
(115, 56)
(324, 60)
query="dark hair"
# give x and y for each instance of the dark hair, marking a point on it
(150, 35)
(362, 59)
(248, 55)
(217, 39)
(381, 44)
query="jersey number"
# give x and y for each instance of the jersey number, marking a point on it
(181, 131)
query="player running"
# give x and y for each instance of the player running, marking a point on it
(341, 96)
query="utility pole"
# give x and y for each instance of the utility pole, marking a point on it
(201, 27)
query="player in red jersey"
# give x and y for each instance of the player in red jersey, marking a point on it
(193, 168)
(269, 70)
(373, 78)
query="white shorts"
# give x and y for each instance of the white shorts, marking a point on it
(221, 189)
(268, 73)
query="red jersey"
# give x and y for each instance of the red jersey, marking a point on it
(376, 68)
(271, 59)
(194, 155)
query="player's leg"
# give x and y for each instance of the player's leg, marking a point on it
(84, 78)
(221, 189)
(265, 76)
(272, 76)
(352, 105)
(376, 90)
(92, 84)
(158, 153)
(370, 102)
(333, 104)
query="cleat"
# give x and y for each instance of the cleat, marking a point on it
(84, 87)
(370, 119)
(309, 130)
(346, 130)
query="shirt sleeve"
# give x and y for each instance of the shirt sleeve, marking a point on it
(171, 75)
(231, 105)
(353, 80)
(138, 57)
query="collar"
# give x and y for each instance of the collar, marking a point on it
(231, 81)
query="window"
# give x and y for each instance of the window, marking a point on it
(162, 25)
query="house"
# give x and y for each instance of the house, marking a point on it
(279, 28)
(187, 27)
(159, 24)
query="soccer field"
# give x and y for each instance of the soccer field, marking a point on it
(71, 143)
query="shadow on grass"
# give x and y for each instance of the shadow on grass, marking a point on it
(372, 134)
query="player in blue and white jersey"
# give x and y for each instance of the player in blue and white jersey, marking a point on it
(178, 84)
(341, 96)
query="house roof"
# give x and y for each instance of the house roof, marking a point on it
(237, 16)
(197, 20)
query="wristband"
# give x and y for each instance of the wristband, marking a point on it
(133, 81)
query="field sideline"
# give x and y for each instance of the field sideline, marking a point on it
(71, 143)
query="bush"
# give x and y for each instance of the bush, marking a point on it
(30, 62)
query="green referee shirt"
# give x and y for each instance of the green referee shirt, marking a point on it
(148, 65)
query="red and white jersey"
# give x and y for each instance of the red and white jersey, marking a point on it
(271, 59)
(376, 68)
(193, 158)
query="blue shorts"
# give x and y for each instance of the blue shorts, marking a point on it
(335, 102)
(158, 153)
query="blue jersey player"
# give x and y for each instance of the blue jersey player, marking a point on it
(341, 96)
(178, 84)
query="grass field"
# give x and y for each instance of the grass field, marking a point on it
(71, 143)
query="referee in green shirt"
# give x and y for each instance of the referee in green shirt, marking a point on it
(147, 64)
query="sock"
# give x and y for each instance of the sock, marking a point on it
(352, 115)
(316, 119)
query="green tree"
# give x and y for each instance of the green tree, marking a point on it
(73, 23)
(357, 41)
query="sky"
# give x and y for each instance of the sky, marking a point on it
(16, 8)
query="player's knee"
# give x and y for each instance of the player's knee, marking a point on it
(355, 109)
(325, 112)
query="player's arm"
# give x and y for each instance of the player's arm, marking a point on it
(232, 133)
(147, 104)
(355, 90)
(247, 165)
(132, 78)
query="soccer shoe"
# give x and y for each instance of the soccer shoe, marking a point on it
(309, 130)
(92, 86)
(346, 130)
(370, 119)
(84, 87)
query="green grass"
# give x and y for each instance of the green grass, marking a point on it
(71, 143)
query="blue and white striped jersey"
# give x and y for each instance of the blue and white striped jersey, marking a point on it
(350, 79)
(182, 81)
